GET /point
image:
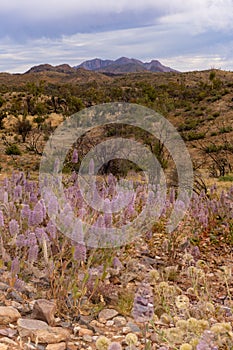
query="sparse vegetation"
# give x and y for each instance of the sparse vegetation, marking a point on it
(13, 150)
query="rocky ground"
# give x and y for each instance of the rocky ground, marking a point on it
(30, 322)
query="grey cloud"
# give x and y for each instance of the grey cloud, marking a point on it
(20, 29)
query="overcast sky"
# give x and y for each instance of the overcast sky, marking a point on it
(194, 35)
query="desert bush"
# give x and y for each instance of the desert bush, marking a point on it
(192, 136)
(225, 129)
(13, 150)
(189, 125)
(23, 127)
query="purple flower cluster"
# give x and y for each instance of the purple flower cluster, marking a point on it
(143, 307)
(207, 342)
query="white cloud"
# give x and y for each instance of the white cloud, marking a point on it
(213, 14)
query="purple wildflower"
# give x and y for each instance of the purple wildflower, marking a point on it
(41, 234)
(37, 214)
(30, 218)
(75, 156)
(20, 241)
(31, 239)
(143, 307)
(51, 229)
(13, 227)
(18, 193)
(53, 206)
(33, 197)
(207, 341)
(115, 346)
(19, 285)
(1, 219)
(33, 253)
(25, 211)
(15, 266)
(80, 252)
(5, 197)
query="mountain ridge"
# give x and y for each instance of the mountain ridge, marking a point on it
(124, 65)
(121, 65)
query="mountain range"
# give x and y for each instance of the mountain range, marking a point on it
(120, 66)
(124, 65)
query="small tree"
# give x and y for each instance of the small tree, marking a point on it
(23, 127)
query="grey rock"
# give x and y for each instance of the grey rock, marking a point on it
(88, 338)
(13, 295)
(107, 314)
(119, 321)
(3, 287)
(133, 327)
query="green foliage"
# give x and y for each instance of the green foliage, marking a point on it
(216, 114)
(75, 104)
(40, 108)
(39, 120)
(191, 136)
(189, 125)
(13, 149)
(125, 302)
(225, 129)
(212, 75)
(214, 133)
(227, 177)
(211, 148)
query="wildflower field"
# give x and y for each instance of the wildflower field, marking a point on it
(176, 288)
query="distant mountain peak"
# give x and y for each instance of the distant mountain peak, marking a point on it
(62, 68)
(123, 65)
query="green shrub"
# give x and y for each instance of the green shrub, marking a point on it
(226, 178)
(213, 148)
(225, 129)
(191, 124)
(213, 133)
(215, 98)
(13, 150)
(191, 136)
